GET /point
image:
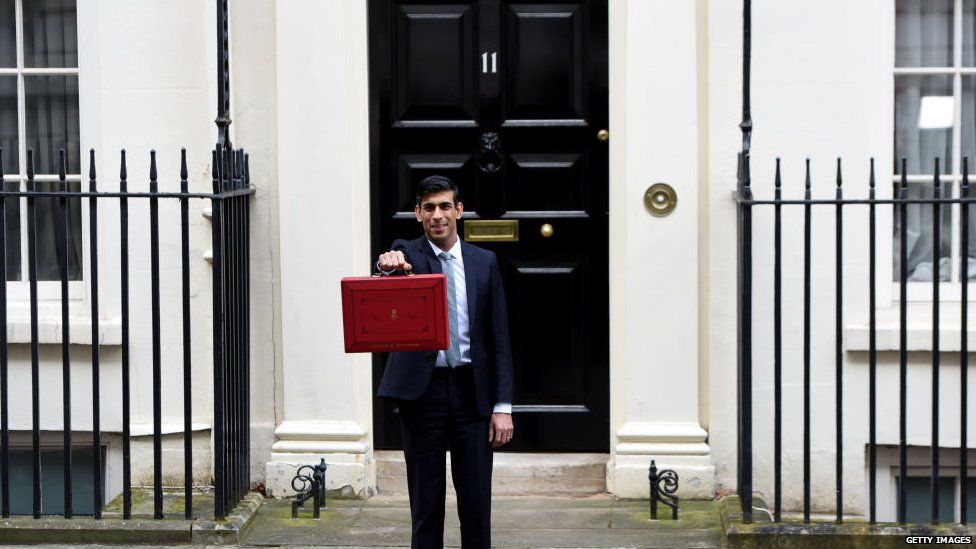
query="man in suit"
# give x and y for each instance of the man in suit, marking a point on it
(460, 398)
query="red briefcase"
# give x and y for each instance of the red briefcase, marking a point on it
(395, 313)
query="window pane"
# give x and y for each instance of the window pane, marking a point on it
(923, 122)
(12, 210)
(968, 29)
(968, 120)
(923, 33)
(8, 124)
(50, 33)
(8, 34)
(919, 492)
(48, 212)
(919, 236)
(21, 485)
(52, 481)
(52, 121)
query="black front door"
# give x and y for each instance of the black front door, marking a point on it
(508, 99)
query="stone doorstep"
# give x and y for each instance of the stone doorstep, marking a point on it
(116, 531)
(513, 474)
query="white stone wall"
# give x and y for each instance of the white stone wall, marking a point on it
(255, 110)
(323, 154)
(655, 85)
(822, 88)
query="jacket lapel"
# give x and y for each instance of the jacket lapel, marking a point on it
(470, 280)
(433, 264)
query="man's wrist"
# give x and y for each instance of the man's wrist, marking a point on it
(503, 408)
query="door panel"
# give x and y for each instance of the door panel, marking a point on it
(549, 329)
(413, 168)
(551, 183)
(534, 76)
(543, 47)
(435, 81)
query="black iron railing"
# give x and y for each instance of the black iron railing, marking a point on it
(231, 329)
(899, 204)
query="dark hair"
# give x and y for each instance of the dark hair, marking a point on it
(435, 184)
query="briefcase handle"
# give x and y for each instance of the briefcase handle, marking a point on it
(398, 272)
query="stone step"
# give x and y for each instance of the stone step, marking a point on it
(513, 474)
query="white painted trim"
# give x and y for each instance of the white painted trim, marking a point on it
(318, 430)
(318, 437)
(673, 439)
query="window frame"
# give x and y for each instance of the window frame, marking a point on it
(949, 291)
(926, 473)
(918, 465)
(47, 290)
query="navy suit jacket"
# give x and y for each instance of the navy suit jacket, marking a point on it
(407, 374)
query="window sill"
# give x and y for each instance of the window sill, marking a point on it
(49, 331)
(919, 329)
(856, 338)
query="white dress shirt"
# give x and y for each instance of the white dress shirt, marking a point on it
(464, 328)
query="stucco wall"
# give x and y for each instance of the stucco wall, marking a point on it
(822, 88)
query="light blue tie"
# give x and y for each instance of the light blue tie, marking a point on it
(453, 355)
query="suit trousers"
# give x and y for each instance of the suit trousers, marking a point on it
(447, 418)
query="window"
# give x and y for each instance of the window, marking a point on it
(52, 481)
(971, 500)
(919, 499)
(935, 117)
(39, 111)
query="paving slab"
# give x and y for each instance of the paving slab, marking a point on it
(522, 521)
(702, 515)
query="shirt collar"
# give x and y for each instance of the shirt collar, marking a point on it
(455, 250)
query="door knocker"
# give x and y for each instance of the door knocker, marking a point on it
(490, 157)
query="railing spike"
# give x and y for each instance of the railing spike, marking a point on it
(807, 181)
(935, 174)
(839, 181)
(62, 166)
(183, 171)
(91, 166)
(247, 170)
(152, 165)
(779, 180)
(965, 171)
(30, 164)
(123, 173)
(871, 178)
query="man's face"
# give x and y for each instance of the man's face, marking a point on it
(439, 215)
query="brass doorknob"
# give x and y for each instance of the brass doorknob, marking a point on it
(546, 230)
(603, 135)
